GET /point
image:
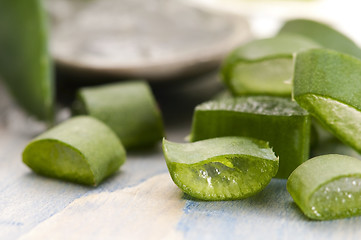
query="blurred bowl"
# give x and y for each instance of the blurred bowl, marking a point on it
(158, 40)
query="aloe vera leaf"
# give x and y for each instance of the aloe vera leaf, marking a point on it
(280, 121)
(82, 150)
(328, 85)
(129, 108)
(323, 34)
(25, 64)
(327, 187)
(264, 66)
(225, 168)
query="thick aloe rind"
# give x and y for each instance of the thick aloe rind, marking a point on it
(25, 64)
(328, 81)
(309, 177)
(264, 66)
(129, 108)
(248, 164)
(280, 121)
(323, 34)
(82, 150)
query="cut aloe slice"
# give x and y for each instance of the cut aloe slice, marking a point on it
(128, 108)
(221, 168)
(280, 121)
(264, 66)
(327, 187)
(328, 85)
(25, 64)
(82, 150)
(323, 34)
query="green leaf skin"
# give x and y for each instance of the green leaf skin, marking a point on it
(328, 85)
(327, 187)
(264, 66)
(323, 34)
(25, 64)
(128, 108)
(82, 150)
(276, 120)
(226, 168)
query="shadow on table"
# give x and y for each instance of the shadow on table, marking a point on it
(271, 214)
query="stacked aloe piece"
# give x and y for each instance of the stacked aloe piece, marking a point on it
(283, 91)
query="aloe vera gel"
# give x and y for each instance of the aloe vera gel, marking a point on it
(225, 168)
(265, 66)
(327, 187)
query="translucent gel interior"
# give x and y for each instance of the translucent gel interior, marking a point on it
(342, 119)
(268, 76)
(231, 178)
(339, 198)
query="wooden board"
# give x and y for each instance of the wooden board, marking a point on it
(139, 202)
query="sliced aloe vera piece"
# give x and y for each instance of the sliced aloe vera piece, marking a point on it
(264, 66)
(280, 121)
(327, 187)
(323, 34)
(82, 150)
(328, 85)
(25, 65)
(224, 168)
(128, 108)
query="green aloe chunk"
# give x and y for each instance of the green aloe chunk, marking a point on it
(327, 187)
(264, 66)
(323, 34)
(128, 108)
(82, 150)
(328, 85)
(25, 64)
(225, 168)
(279, 121)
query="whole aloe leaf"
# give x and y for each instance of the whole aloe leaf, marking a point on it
(25, 64)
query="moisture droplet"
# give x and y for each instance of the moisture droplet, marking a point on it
(203, 173)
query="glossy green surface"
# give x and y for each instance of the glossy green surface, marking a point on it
(277, 120)
(221, 168)
(128, 108)
(323, 34)
(264, 66)
(82, 150)
(25, 65)
(328, 85)
(327, 187)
